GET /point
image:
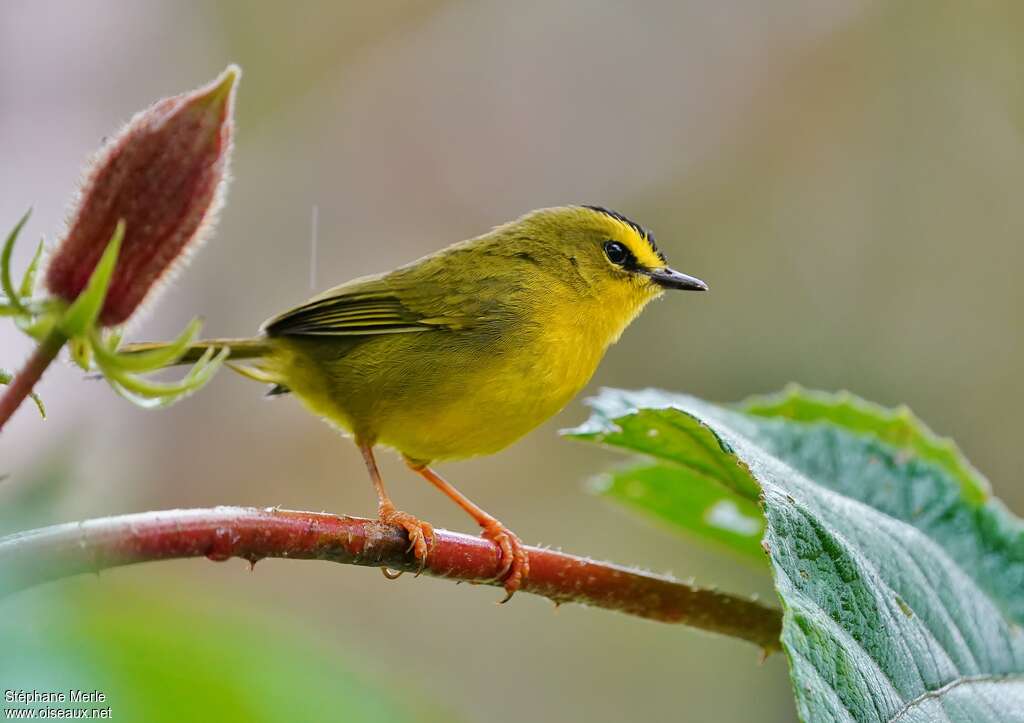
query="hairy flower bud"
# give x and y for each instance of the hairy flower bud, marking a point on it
(164, 176)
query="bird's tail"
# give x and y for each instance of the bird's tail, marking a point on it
(254, 348)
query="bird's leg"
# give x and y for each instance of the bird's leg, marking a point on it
(515, 562)
(421, 534)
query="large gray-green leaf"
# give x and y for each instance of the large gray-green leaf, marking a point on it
(901, 580)
(689, 501)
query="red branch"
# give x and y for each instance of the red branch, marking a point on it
(36, 556)
(21, 386)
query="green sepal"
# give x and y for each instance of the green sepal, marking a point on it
(30, 307)
(37, 327)
(144, 361)
(6, 377)
(81, 354)
(28, 280)
(150, 395)
(12, 300)
(82, 314)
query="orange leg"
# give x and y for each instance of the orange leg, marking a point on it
(421, 534)
(515, 562)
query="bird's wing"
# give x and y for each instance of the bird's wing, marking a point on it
(363, 307)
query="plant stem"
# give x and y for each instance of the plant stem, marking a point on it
(26, 379)
(36, 556)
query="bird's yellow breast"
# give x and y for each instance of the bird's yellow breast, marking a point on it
(437, 395)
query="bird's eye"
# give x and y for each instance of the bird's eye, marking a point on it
(616, 252)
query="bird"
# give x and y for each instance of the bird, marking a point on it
(464, 351)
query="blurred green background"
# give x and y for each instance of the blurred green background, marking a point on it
(842, 173)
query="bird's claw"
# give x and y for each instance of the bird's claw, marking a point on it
(421, 534)
(515, 561)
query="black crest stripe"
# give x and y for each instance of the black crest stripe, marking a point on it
(644, 233)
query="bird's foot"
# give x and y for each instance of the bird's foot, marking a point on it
(421, 534)
(515, 561)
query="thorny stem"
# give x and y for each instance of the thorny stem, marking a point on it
(25, 380)
(37, 556)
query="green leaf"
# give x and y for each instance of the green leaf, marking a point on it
(638, 424)
(690, 502)
(898, 427)
(82, 314)
(906, 474)
(902, 586)
(6, 284)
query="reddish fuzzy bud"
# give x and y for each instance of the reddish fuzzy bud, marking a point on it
(164, 174)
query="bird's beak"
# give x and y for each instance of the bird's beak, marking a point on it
(668, 278)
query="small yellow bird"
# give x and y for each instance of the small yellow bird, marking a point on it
(464, 351)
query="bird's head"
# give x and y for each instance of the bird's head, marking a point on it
(606, 263)
(602, 252)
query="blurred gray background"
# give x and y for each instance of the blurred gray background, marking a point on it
(842, 173)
